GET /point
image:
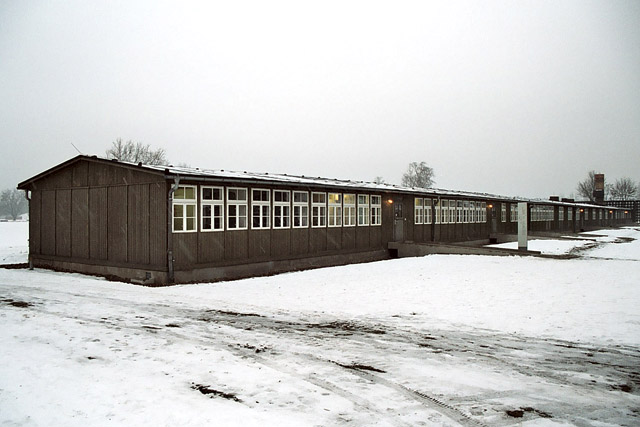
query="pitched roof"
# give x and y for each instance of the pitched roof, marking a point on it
(170, 172)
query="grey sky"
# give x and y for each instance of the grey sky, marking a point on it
(514, 98)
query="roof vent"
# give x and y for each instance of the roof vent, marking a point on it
(139, 163)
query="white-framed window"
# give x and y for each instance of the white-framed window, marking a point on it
(211, 208)
(349, 209)
(503, 212)
(236, 208)
(600, 214)
(363, 209)
(561, 213)
(459, 211)
(376, 210)
(300, 209)
(281, 209)
(318, 210)
(464, 207)
(436, 204)
(570, 214)
(452, 211)
(514, 212)
(260, 208)
(335, 209)
(427, 211)
(184, 209)
(541, 213)
(444, 207)
(418, 211)
(473, 212)
(483, 211)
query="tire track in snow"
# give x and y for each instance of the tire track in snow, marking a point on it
(366, 339)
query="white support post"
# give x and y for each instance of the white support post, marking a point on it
(522, 226)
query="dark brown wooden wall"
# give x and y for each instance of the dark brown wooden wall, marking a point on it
(458, 232)
(100, 212)
(217, 248)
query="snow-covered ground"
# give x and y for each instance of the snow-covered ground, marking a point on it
(14, 242)
(584, 241)
(437, 340)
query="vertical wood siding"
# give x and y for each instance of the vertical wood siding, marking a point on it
(48, 223)
(300, 240)
(117, 223)
(158, 223)
(63, 223)
(236, 245)
(280, 243)
(211, 247)
(98, 248)
(80, 222)
(138, 224)
(35, 212)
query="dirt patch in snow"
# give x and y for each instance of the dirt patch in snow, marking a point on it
(14, 303)
(348, 327)
(519, 413)
(211, 392)
(361, 367)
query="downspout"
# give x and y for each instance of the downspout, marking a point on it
(26, 196)
(170, 260)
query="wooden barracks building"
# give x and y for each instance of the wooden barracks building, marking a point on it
(157, 225)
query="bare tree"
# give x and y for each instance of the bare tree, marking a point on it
(379, 180)
(585, 188)
(13, 203)
(418, 175)
(136, 152)
(623, 189)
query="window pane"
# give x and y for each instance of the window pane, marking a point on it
(178, 210)
(207, 193)
(177, 224)
(191, 210)
(319, 198)
(300, 197)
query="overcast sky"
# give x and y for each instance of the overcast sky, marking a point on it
(514, 98)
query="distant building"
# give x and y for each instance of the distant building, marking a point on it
(156, 225)
(632, 206)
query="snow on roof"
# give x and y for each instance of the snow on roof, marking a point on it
(311, 181)
(301, 180)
